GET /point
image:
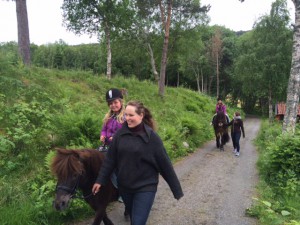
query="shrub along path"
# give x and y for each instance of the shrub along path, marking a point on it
(218, 187)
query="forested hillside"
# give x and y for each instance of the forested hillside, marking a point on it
(251, 68)
(57, 99)
(45, 108)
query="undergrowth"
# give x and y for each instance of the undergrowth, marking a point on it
(279, 168)
(41, 109)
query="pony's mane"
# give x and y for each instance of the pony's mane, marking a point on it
(221, 116)
(71, 162)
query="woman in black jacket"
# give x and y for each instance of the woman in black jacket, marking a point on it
(236, 131)
(139, 156)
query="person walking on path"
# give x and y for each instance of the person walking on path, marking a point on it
(236, 132)
(138, 154)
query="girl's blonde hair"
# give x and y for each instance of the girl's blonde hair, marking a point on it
(120, 116)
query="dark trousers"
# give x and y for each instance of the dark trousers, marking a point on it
(236, 136)
(139, 206)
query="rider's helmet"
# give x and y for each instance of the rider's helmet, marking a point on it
(113, 94)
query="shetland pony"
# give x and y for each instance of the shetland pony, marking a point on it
(78, 169)
(221, 130)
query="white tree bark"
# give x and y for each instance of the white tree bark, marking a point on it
(290, 117)
(108, 47)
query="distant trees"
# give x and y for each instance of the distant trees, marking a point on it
(96, 17)
(251, 67)
(262, 67)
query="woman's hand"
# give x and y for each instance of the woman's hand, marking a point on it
(96, 188)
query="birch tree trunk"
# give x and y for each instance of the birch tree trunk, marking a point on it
(218, 78)
(153, 66)
(270, 106)
(202, 81)
(290, 116)
(23, 31)
(108, 47)
(166, 26)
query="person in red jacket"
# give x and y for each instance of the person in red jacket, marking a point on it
(139, 156)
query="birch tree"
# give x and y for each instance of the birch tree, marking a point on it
(95, 17)
(292, 100)
(216, 51)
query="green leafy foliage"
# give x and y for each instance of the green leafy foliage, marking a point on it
(42, 109)
(278, 165)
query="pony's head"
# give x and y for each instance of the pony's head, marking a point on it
(78, 169)
(219, 119)
(67, 168)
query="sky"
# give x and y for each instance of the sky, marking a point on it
(45, 19)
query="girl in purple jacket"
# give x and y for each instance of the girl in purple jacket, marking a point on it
(114, 118)
(220, 106)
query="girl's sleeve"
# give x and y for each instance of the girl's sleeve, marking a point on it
(104, 130)
(224, 109)
(242, 128)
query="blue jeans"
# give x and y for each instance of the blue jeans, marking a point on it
(139, 206)
(236, 136)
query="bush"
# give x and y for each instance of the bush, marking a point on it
(279, 167)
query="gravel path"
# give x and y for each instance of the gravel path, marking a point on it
(218, 187)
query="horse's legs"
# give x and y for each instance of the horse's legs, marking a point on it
(102, 216)
(223, 142)
(106, 220)
(218, 141)
(221, 147)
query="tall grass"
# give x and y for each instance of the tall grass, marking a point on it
(41, 109)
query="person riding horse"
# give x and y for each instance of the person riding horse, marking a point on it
(221, 130)
(220, 106)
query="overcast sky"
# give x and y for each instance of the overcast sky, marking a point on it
(45, 20)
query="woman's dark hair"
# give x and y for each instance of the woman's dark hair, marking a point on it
(141, 109)
(237, 114)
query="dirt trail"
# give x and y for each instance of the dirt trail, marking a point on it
(218, 187)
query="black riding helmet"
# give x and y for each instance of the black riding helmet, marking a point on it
(113, 94)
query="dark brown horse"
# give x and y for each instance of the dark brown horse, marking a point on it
(221, 130)
(78, 169)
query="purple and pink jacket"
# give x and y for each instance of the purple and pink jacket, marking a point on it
(221, 108)
(110, 128)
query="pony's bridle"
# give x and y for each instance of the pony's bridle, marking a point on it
(220, 124)
(72, 190)
(69, 190)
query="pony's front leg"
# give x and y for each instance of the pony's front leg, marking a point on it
(101, 216)
(221, 147)
(106, 220)
(217, 142)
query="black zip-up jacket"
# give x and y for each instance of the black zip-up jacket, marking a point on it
(237, 126)
(139, 159)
